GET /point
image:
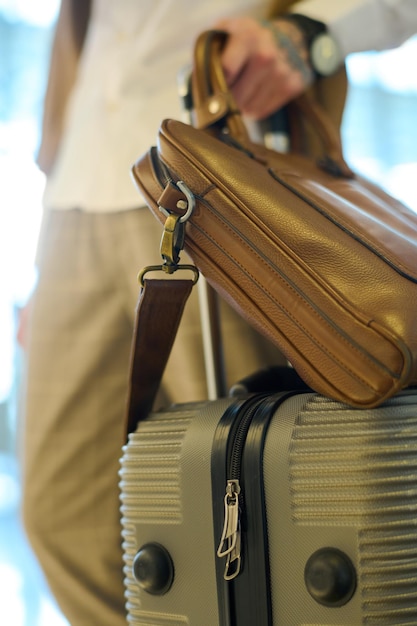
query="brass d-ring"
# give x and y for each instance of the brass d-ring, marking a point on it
(167, 270)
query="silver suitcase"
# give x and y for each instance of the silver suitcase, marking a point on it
(283, 509)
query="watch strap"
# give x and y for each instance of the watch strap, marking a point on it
(310, 28)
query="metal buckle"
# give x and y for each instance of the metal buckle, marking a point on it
(163, 268)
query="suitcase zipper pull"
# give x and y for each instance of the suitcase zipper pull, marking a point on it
(229, 545)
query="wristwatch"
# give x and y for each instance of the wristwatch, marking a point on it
(324, 53)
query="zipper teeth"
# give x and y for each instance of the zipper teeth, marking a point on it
(240, 438)
(161, 171)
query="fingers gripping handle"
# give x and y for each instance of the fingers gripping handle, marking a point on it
(214, 104)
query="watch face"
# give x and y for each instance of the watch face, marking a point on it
(325, 55)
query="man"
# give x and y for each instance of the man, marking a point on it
(112, 79)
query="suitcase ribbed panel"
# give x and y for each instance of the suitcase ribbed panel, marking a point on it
(150, 486)
(359, 469)
(334, 477)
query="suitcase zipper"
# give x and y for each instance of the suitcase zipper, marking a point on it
(244, 584)
(230, 545)
(230, 542)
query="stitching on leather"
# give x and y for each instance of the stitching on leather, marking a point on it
(338, 221)
(282, 307)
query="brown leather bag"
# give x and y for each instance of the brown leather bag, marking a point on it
(316, 258)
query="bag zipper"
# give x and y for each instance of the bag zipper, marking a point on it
(162, 173)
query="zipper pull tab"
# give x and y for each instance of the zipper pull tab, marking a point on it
(233, 560)
(229, 545)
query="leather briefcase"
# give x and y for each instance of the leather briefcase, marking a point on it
(319, 260)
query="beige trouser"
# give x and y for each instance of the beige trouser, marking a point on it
(79, 346)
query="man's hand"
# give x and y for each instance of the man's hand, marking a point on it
(265, 63)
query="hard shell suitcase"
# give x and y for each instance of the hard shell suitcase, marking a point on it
(272, 509)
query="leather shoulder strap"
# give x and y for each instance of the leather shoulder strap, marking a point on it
(159, 312)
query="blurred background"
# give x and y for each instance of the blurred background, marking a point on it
(26, 29)
(380, 141)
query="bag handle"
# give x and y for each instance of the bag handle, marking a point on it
(213, 102)
(215, 106)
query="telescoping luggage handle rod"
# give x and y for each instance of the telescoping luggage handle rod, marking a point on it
(208, 299)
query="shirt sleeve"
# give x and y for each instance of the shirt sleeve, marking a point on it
(359, 25)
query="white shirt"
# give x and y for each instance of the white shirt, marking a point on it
(360, 25)
(127, 82)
